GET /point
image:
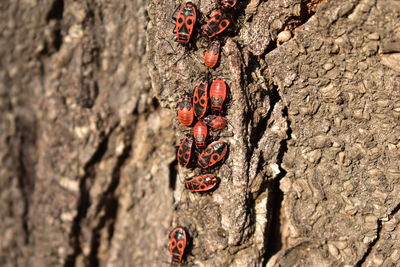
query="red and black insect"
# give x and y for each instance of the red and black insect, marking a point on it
(177, 244)
(185, 151)
(218, 22)
(214, 153)
(217, 94)
(229, 3)
(200, 99)
(201, 183)
(215, 122)
(200, 132)
(185, 22)
(212, 54)
(185, 111)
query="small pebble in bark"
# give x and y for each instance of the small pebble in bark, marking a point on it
(283, 37)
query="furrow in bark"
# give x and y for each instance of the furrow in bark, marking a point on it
(378, 233)
(109, 203)
(26, 166)
(273, 238)
(84, 198)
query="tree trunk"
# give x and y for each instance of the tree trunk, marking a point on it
(88, 135)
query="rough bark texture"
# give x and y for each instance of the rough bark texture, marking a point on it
(88, 134)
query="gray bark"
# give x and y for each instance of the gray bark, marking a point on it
(88, 135)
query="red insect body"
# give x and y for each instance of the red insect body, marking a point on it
(200, 132)
(201, 183)
(214, 153)
(215, 122)
(217, 94)
(185, 151)
(230, 3)
(216, 24)
(200, 99)
(177, 244)
(185, 22)
(185, 111)
(212, 54)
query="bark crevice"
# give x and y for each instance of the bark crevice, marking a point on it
(84, 198)
(53, 18)
(378, 234)
(273, 239)
(173, 174)
(109, 203)
(26, 167)
(56, 11)
(371, 245)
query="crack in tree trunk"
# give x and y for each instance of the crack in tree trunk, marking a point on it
(273, 238)
(26, 167)
(372, 244)
(84, 201)
(108, 203)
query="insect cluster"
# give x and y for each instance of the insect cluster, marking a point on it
(196, 108)
(203, 108)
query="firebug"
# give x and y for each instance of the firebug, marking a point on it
(200, 99)
(212, 54)
(185, 151)
(218, 22)
(177, 244)
(200, 132)
(214, 153)
(230, 3)
(215, 122)
(185, 22)
(201, 183)
(218, 93)
(185, 111)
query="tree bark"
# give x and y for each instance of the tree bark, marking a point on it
(89, 133)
